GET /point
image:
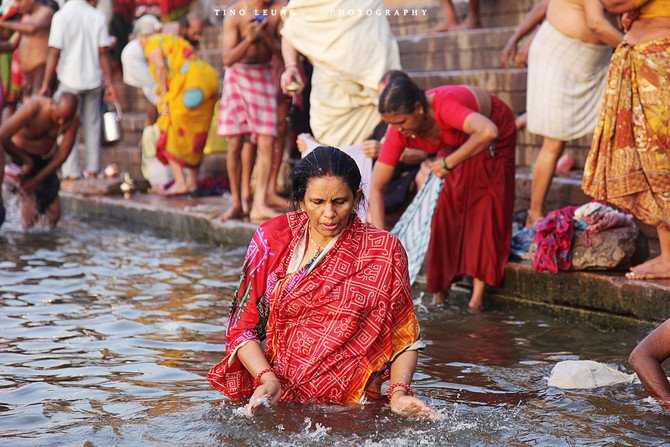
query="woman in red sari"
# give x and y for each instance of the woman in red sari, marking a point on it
(324, 310)
(472, 136)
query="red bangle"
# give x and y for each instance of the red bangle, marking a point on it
(257, 379)
(394, 387)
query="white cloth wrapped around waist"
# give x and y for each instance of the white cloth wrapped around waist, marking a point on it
(566, 81)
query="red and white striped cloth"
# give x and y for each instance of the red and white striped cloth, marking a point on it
(249, 101)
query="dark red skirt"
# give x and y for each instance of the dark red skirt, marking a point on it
(471, 232)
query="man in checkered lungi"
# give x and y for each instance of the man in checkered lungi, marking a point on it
(249, 104)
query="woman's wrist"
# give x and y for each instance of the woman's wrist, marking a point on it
(264, 376)
(445, 165)
(398, 389)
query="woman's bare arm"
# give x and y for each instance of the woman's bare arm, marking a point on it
(647, 358)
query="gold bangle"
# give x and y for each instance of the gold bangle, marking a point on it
(444, 165)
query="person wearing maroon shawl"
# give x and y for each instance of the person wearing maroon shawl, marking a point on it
(324, 310)
(472, 136)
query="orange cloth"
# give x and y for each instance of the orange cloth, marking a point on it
(655, 8)
(629, 161)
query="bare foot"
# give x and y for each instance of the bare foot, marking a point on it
(260, 214)
(470, 22)
(565, 164)
(521, 121)
(277, 201)
(444, 25)
(233, 213)
(657, 268)
(532, 218)
(176, 189)
(476, 306)
(438, 299)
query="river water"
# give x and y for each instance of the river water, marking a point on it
(106, 337)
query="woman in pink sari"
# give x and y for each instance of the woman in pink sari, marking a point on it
(324, 310)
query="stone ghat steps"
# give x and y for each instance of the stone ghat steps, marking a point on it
(492, 14)
(455, 50)
(128, 158)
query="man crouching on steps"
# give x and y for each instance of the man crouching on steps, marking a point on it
(29, 136)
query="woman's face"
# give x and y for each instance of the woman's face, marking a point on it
(329, 203)
(408, 124)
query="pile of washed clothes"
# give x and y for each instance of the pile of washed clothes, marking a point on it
(592, 236)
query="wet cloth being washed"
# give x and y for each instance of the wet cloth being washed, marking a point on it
(330, 328)
(249, 101)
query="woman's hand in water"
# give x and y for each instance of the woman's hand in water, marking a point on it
(266, 394)
(413, 407)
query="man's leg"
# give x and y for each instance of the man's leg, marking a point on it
(658, 267)
(260, 210)
(273, 198)
(545, 165)
(28, 210)
(472, 19)
(71, 168)
(248, 160)
(450, 20)
(53, 214)
(233, 168)
(2, 179)
(90, 121)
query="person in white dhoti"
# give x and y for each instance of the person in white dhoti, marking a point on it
(350, 51)
(567, 70)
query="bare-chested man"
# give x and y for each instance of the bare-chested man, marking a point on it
(29, 136)
(567, 70)
(31, 38)
(249, 104)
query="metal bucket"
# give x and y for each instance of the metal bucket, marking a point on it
(111, 124)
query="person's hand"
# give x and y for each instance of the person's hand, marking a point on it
(255, 30)
(45, 91)
(627, 18)
(371, 148)
(521, 56)
(412, 407)
(289, 78)
(438, 168)
(111, 94)
(508, 54)
(266, 394)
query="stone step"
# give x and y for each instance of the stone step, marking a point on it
(508, 84)
(492, 14)
(564, 191)
(528, 147)
(457, 50)
(128, 157)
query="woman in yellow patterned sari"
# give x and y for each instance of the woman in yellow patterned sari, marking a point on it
(187, 88)
(629, 161)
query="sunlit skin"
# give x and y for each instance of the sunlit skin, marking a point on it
(329, 204)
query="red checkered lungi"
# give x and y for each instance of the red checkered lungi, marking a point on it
(249, 101)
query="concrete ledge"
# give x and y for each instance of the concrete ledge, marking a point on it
(590, 291)
(191, 219)
(604, 298)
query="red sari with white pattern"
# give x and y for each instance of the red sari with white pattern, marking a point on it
(328, 332)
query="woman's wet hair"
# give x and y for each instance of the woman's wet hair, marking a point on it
(392, 75)
(324, 161)
(401, 95)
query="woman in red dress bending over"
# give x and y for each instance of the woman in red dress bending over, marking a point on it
(472, 136)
